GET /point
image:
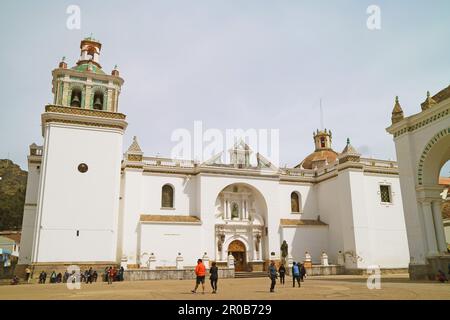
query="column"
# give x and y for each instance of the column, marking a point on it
(439, 226)
(429, 228)
(227, 209)
(245, 210)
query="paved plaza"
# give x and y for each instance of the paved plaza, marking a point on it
(316, 288)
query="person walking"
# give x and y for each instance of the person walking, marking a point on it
(295, 274)
(282, 272)
(214, 276)
(272, 276)
(200, 272)
(302, 272)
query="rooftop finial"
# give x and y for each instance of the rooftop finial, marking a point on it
(428, 103)
(397, 112)
(348, 141)
(63, 58)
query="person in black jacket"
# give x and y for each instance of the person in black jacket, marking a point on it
(282, 272)
(214, 276)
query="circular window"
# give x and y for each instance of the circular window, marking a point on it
(82, 167)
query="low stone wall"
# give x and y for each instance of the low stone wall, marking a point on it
(364, 272)
(430, 270)
(170, 274)
(319, 270)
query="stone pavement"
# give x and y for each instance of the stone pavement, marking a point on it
(315, 288)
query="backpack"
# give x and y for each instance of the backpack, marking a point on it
(296, 271)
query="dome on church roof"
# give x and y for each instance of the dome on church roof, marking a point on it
(88, 67)
(319, 157)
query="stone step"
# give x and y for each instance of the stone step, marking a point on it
(245, 274)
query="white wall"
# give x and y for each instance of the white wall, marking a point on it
(313, 239)
(71, 201)
(307, 200)
(166, 240)
(29, 213)
(389, 243)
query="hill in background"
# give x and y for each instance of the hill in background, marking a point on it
(13, 184)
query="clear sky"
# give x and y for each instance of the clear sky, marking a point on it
(232, 64)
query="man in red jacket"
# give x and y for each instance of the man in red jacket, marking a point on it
(200, 272)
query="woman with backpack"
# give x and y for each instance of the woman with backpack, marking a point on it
(295, 274)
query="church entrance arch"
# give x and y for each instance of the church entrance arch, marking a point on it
(237, 249)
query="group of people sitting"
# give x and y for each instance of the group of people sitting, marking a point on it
(88, 276)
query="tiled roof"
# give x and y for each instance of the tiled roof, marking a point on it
(302, 222)
(169, 218)
(444, 181)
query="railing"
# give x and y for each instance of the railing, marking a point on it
(167, 162)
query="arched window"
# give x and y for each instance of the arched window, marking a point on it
(167, 196)
(295, 202)
(75, 98)
(98, 100)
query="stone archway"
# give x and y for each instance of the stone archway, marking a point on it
(241, 214)
(422, 143)
(238, 250)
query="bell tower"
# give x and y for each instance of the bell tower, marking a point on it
(77, 209)
(86, 85)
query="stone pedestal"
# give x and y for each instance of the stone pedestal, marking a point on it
(180, 262)
(308, 261)
(340, 259)
(205, 260)
(324, 259)
(124, 262)
(290, 261)
(151, 264)
(230, 261)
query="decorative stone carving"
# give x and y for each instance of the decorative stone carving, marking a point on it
(257, 241)
(180, 261)
(152, 262)
(230, 261)
(324, 259)
(205, 259)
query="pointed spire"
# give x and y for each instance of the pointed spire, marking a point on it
(349, 148)
(428, 103)
(397, 112)
(134, 147)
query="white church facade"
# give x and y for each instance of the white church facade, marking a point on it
(88, 201)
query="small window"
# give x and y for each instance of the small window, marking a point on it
(385, 194)
(322, 142)
(167, 196)
(295, 202)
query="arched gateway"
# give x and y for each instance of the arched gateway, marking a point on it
(237, 249)
(422, 143)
